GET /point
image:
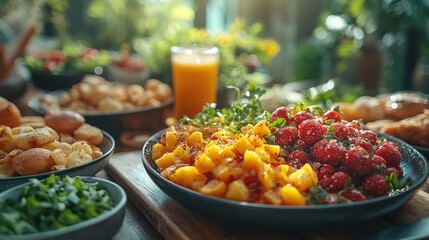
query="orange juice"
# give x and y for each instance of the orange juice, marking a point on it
(195, 75)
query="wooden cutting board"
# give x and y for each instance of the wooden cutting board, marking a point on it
(173, 221)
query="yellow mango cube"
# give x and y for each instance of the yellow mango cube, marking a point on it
(183, 152)
(227, 152)
(165, 161)
(272, 197)
(243, 144)
(171, 140)
(238, 191)
(204, 164)
(282, 174)
(263, 154)
(273, 150)
(195, 140)
(290, 195)
(157, 150)
(213, 152)
(267, 179)
(222, 172)
(214, 188)
(189, 177)
(261, 129)
(251, 160)
(304, 178)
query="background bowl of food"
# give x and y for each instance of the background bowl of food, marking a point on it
(60, 69)
(107, 204)
(61, 143)
(112, 106)
(15, 85)
(127, 68)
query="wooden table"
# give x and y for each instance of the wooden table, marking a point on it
(172, 221)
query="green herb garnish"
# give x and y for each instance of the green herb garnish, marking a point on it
(248, 109)
(52, 204)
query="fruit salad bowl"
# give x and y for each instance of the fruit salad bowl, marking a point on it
(415, 171)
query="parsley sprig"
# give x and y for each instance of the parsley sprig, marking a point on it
(248, 109)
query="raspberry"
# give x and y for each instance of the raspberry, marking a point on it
(285, 136)
(364, 143)
(329, 151)
(390, 153)
(310, 131)
(370, 135)
(375, 185)
(325, 170)
(340, 130)
(378, 162)
(353, 195)
(297, 158)
(334, 183)
(358, 161)
(281, 112)
(301, 144)
(301, 117)
(331, 116)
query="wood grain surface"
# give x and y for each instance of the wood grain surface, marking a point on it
(173, 221)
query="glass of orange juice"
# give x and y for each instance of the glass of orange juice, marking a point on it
(195, 71)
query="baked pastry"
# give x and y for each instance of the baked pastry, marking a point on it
(9, 113)
(413, 130)
(404, 105)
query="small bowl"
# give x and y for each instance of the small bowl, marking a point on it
(119, 74)
(15, 86)
(104, 226)
(63, 80)
(148, 118)
(90, 168)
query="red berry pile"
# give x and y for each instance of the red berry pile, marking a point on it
(352, 164)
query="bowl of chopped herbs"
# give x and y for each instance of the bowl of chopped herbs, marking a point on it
(62, 207)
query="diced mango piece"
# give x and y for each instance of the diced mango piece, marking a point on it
(273, 150)
(261, 129)
(213, 152)
(251, 160)
(267, 179)
(157, 150)
(165, 161)
(189, 177)
(272, 197)
(290, 195)
(227, 152)
(238, 191)
(304, 178)
(171, 140)
(214, 188)
(282, 174)
(204, 164)
(263, 154)
(243, 144)
(222, 172)
(183, 152)
(195, 140)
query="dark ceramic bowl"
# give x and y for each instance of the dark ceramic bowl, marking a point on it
(63, 80)
(90, 168)
(104, 226)
(15, 86)
(415, 169)
(147, 119)
(423, 150)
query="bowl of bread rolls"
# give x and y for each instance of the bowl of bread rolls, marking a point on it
(114, 107)
(60, 142)
(404, 115)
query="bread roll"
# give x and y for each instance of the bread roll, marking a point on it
(33, 161)
(64, 121)
(9, 113)
(405, 104)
